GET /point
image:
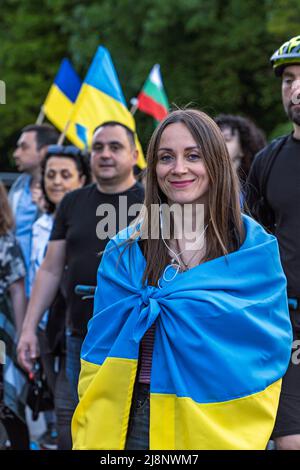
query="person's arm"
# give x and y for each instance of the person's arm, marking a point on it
(43, 294)
(19, 303)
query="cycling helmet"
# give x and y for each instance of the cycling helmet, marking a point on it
(287, 54)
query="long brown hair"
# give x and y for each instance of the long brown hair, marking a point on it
(224, 233)
(6, 217)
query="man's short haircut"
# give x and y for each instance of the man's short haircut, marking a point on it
(45, 134)
(129, 132)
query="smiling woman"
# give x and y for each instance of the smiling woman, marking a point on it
(64, 169)
(188, 163)
(190, 360)
(180, 169)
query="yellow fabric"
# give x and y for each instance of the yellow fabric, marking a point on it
(141, 162)
(101, 418)
(57, 107)
(92, 108)
(213, 426)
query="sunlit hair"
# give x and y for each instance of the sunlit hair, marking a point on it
(224, 233)
(6, 216)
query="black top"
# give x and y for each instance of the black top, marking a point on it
(273, 198)
(82, 215)
(283, 195)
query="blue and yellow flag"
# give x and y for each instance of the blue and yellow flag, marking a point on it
(222, 344)
(58, 106)
(101, 99)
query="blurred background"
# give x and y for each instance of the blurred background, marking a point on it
(214, 54)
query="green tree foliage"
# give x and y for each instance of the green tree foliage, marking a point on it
(214, 54)
(32, 43)
(284, 18)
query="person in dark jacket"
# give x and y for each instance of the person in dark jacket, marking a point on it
(273, 195)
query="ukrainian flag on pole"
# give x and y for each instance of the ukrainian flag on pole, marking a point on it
(62, 95)
(100, 100)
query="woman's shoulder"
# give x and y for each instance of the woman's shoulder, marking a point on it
(255, 234)
(123, 243)
(126, 235)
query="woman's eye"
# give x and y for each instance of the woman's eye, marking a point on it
(194, 156)
(165, 158)
(66, 175)
(50, 175)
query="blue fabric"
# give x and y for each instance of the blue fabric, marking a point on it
(82, 134)
(16, 191)
(103, 76)
(67, 80)
(222, 328)
(26, 213)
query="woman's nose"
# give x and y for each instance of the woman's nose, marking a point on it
(179, 166)
(57, 179)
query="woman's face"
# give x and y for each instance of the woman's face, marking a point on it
(61, 177)
(233, 145)
(180, 169)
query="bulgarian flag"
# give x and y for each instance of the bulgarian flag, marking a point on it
(153, 99)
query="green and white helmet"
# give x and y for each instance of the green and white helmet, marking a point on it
(287, 54)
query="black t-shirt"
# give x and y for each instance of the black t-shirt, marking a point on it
(81, 216)
(283, 195)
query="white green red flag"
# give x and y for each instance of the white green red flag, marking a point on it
(152, 99)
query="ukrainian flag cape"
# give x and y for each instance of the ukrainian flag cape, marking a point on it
(222, 345)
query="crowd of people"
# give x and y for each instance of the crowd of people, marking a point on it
(199, 333)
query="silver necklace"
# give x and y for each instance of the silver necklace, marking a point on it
(178, 256)
(176, 262)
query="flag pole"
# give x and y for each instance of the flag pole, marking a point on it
(134, 105)
(41, 116)
(63, 134)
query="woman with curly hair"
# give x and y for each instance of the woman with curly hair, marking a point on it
(243, 140)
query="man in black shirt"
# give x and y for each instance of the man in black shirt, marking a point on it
(273, 197)
(79, 235)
